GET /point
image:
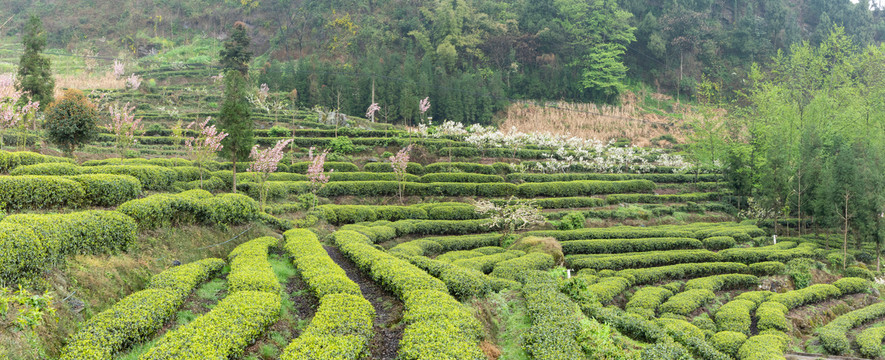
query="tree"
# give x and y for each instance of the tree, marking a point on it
(123, 125)
(203, 147)
(71, 121)
(265, 162)
(236, 54)
(35, 70)
(235, 120)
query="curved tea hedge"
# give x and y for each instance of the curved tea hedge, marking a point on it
(833, 335)
(322, 275)
(643, 259)
(11, 160)
(190, 206)
(614, 246)
(555, 320)
(140, 315)
(224, 332)
(647, 300)
(340, 329)
(40, 192)
(249, 268)
(869, 341)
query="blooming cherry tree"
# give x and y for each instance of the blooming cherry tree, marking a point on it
(265, 162)
(370, 113)
(119, 69)
(123, 125)
(203, 147)
(400, 162)
(316, 172)
(424, 105)
(12, 116)
(133, 82)
(512, 215)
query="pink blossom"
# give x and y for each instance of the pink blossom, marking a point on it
(203, 147)
(370, 113)
(400, 162)
(118, 69)
(424, 105)
(266, 161)
(124, 125)
(217, 78)
(12, 115)
(316, 170)
(133, 82)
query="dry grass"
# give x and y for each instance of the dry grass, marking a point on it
(592, 121)
(85, 81)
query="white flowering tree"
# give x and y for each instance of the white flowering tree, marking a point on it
(511, 216)
(265, 162)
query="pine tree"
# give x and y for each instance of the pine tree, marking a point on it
(235, 120)
(236, 54)
(35, 70)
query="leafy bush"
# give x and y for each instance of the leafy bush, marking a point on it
(385, 167)
(108, 190)
(681, 271)
(723, 282)
(513, 268)
(555, 320)
(767, 268)
(461, 178)
(762, 347)
(40, 192)
(728, 342)
(614, 246)
(249, 268)
(833, 335)
(341, 329)
(87, 232)
(439, 328)
(687, 301)
(643, 259)
(342, 145)
(719, 242)
(546, 245)
(25, 255)
(572, 221)
(224, 332)
(734, 316)
(463, 283)
(71, 121)
(583, 188)
(646, 301)
(486, 263)
(279, 131)
(608, 288)
(869, 341)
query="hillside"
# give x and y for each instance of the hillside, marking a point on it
(470, 56)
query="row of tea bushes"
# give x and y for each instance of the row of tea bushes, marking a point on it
(463, 283)
(253, 304)
(431, 246)
(833, 336)
(190, 206)
(555, 319)
(11, 160)
(740, 232)
(349, 214)
(33, 243)
(772, 313)
(342, 326)
(138, 316)
(152, 177)
(42, 192)
(438, 327)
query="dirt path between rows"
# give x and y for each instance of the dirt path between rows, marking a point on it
(388, 309)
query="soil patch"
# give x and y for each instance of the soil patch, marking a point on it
(388, 325)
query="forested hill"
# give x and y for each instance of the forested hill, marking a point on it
(469, 56)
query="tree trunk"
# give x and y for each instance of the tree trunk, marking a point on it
(845, 235)
(235, 175)
(799, 225)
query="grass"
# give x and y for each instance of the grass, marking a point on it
(507, 323)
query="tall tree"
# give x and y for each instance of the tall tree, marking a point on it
(236, 54)
(35, 70)
(235, 114)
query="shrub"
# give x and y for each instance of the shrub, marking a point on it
(224, 332)
(396, 275)
(140, 315)
(614, 246)
(341, 329)
(728, 342)
(571, 221)
(833, 335)
(546, 245)
(734, 316)
(769, 253)
(40, 192)
(762, 347)
(869, 341)
(723, 282)
(608, 288)
(460, 178)
(681, 271)
(686, 302)
(249, 268)
(438, 328)
(151, 177)
(342, 145)
(852, 285)
(513, 268)
(616, 232)
(11, 160)
(459, 167)
(458, 255)
(419, 247)
(809, 295)
(555, 320)
(767, 268)
(86, 232)
(644, 259)
(25, 255)
(55, 168)
(854, 271)
(719, 242)
(463, 283)
(646, 301)
(463, 242)
(301, 167)
(772, 316)
(583, 188)
(385, 167)
(486, 263)
(108, 190)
